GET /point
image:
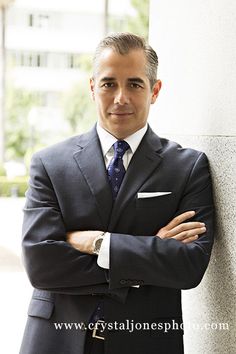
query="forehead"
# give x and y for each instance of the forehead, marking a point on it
(111, 63)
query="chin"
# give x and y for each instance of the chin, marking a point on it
(122, 133)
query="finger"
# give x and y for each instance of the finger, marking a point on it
(190, 239)
(186, 234)
(180, 219)
(185, 227)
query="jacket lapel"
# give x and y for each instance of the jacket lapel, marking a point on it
(91, 163)
(145, 160)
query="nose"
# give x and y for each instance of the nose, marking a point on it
(121, 97)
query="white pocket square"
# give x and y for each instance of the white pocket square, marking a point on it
(152, 194)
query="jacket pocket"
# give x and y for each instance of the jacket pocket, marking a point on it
(155, 202)
(41, 304)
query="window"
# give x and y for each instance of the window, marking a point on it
(73, 61)
(46, 60)
(38, 20)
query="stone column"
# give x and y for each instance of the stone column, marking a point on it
(196, 45)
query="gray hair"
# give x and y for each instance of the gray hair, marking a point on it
(122, 43)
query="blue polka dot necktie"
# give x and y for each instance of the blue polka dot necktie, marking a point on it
(116, 170)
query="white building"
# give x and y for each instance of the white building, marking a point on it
(45, 39)
(46, 42)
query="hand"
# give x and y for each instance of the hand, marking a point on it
(180, 230)
(82, 240)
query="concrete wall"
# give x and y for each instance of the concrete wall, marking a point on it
(196, 44)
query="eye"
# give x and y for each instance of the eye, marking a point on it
(135, 85)
(108, 84)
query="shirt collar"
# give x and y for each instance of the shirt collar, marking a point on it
(107, 139)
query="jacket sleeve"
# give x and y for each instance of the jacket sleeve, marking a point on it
(51, 263)
(149, 260)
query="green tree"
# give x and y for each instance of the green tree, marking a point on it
(18, 130)
(79, 109)
(138, 24)
(3, 6)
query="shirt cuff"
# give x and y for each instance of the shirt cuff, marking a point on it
(103, 260)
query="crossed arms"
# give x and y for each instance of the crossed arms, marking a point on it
(177, 229)
(177, 256)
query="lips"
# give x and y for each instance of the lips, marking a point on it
(121, 113)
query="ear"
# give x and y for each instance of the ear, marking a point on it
(92, 84)
(156, 90)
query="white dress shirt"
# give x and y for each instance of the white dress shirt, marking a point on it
(107, 140)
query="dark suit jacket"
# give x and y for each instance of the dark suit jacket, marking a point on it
(69, 190)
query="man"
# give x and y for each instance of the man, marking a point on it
(117, 221)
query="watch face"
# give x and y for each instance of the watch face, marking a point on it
(98, 245)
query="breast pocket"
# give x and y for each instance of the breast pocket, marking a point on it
(154, 213)
(155, 202)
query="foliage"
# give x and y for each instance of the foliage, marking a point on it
(17, 185)
(79, 108)
(85, 63)
(138, 24)
(2, 171)
(18, 130)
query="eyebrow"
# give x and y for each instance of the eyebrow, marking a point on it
(131, 79)
(136, 79)
(107, 79)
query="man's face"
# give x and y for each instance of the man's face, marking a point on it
(122, 92)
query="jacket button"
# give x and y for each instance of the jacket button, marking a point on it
(123, 281)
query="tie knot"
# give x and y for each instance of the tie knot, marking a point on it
(120, 147)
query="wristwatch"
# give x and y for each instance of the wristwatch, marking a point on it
(97, 243)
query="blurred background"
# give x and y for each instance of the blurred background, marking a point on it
(46, 61)
(46, 50)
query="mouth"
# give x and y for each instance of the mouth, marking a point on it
(120, 114)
